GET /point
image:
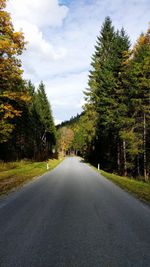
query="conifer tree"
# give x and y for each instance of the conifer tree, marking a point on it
(43, 108)
(103, 90)
(137, 79)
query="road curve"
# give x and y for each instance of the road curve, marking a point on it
(73, 217)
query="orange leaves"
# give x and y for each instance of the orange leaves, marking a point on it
(65, 138)
(6, 27)
(17, 96)
(19, 43)
(13, 92)
(11, 44)
(144, 40)
(5, 47)
(9, 112)
(9, 109)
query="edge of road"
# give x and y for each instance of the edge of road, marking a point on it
(137, 193)
(26, 182)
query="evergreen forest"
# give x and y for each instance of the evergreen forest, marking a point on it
(114, 128)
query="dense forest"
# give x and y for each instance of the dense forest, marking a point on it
(114, 129)
(27, 128)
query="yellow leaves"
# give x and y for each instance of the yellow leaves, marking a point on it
(65, 138)
(13, 96)
(5, 46)
(9, 109)
(9, 112)
(11, 42)
(127, 55)
(19, 42)
(25, 97)
(12, 45)
(17, 96)
(5, 131)
(5, 23)
(144, 40)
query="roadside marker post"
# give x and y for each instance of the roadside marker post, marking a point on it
(47, 166)
(98, 166)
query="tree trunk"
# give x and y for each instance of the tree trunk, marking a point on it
(138, 166)
(125, 158)
(118, 157)
(144, 147)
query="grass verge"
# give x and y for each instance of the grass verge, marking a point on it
(14, 174)
(138, 188)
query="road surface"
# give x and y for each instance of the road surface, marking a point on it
(73, 217)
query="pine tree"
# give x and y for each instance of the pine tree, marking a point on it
(103, 91)
(137, 76)
(43, 108)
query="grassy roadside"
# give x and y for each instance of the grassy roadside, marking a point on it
(14, 174)
(138, 188)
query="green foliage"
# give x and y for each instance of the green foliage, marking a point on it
(34, 131)
(104, 92)
(114, 129)
(119, 90)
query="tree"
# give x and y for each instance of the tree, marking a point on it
(137, 80)
(65, 136)
(47, 131)
(103, 89)
(27, 126)
(12, 88)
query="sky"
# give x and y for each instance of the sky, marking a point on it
(61, 35)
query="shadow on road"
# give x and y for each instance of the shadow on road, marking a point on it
(83, 161)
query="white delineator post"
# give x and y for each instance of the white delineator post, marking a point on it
(47, 166)
(98, 166)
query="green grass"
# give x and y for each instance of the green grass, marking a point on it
(138, 188)
(14, 174)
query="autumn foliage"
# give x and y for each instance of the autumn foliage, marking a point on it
(27, 128)
(12, 89)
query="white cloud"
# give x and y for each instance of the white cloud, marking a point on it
(66, 94)
(37, 44)
(38, 12)
(31, 17)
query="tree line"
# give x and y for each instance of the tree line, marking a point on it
(114, 129)
(27, 128)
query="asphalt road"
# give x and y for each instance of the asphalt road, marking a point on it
(73, 217)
